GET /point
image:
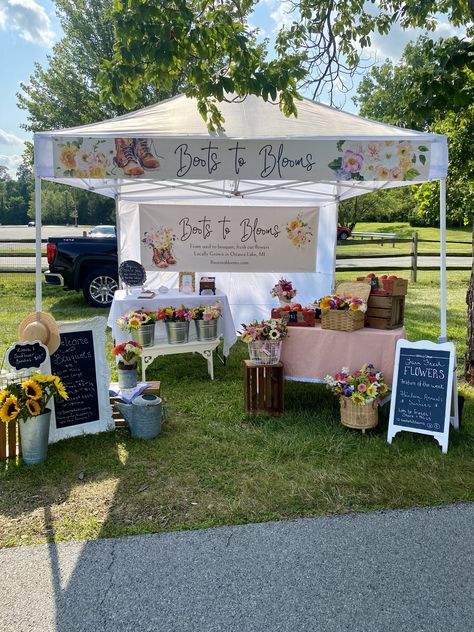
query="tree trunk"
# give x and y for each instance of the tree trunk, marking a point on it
(469, 360)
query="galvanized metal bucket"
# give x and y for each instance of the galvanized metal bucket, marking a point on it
(127, 378)
(145, 334)
(178, 333)
(206, 329)
(34, 433)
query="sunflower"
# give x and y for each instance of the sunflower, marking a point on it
(42, 379)
(3, 396)
(10, 409)
(372, 391)
(32, 389)
(60, 387)
(33, 407)
(358, 399)
(294, 224)
(134, 323)
(274, 334)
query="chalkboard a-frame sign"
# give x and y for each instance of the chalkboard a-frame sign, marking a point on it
(422, 390)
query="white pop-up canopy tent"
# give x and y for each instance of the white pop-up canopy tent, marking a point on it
(262, 159)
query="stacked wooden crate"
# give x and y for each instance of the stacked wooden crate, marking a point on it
(386, 304)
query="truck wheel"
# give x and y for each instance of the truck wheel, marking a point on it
(99, 287)
(343, 236)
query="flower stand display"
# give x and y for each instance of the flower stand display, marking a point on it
(263, 388)
(359, 417)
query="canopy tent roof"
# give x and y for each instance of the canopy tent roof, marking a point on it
(262, 157)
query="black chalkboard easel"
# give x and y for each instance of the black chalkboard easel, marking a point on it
(422, 390)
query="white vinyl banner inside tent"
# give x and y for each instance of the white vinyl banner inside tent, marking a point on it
(163, 156)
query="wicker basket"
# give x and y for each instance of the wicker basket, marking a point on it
(359, 417)
(265, 351)
(342, 320)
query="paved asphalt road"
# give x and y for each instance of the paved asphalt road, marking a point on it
(399, 571)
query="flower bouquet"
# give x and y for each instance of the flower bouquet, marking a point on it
(177, 321)
(359, 393)
(205, 318)
(26, 400)
(342, 313)
(284, 291)
(264, 340)
(127, 353)
(141, 325)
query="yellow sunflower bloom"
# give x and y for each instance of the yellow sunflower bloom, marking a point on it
(383, 389)
(372, 391)
(324, 303)
(134, 323)
(358, 399)
(10, 409)
(294, 224)
(32, 389)
(33, 407)
(68, 157)
(60, 388)
(3, 396)
(42, 379)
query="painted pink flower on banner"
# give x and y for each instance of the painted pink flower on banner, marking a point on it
(352, 162)
(373, 151)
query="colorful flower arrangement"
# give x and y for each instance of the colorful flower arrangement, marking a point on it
(82, 163)
(29, 397)
(128, 352)
(273, 329)
(208, 312)
(362, 387)
(131, 321)
(380, 160)
(298, 232)
(175, 314)
(283, 290)
(333, 301)
(161, 238)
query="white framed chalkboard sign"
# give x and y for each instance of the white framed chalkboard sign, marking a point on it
(422, 390)
(81, 364)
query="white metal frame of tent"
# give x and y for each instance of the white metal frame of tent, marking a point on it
(301, 175)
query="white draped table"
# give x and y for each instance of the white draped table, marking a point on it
(124, 302)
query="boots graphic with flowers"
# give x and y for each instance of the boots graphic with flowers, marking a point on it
(158, 258)
(144, 156)
(125, 157)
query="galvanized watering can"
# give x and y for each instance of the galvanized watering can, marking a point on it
(143, 416)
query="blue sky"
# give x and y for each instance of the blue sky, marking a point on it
(29, 28)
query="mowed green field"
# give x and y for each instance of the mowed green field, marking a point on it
(213, 465)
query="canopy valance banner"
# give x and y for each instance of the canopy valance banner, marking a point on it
(219, 239)
(220, 159)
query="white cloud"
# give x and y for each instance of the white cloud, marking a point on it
(6, 138)
(11, 163)
(29, 19)
(283, 16)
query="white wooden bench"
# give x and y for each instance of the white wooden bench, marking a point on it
(206, 349)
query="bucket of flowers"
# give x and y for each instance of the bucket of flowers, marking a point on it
(127, 354)
(264, 340)
(283, 291)
(359, 395)
(177, 321)
(141, 325)
(342, 313)
(25, 399)
(206, 319)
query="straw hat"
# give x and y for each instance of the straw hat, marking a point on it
(40, 326)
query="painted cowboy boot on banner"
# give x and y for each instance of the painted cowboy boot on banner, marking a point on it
(158, 258)
(144, 156)
(125, 157)
(168, 255)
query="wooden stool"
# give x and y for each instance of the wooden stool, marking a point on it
(153, 389)
(263, 388)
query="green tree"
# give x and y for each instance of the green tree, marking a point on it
(204, 46)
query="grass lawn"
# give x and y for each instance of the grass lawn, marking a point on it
(213, 465)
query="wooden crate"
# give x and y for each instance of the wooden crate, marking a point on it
(385, 312)
(10, 446)
(153, 389)
(387, 287)
(296, 318)
(263, 388)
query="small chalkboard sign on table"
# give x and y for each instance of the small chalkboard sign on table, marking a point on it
(81, 364)
(132, 273)
(422, 390)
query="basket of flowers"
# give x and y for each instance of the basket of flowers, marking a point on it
(359, 395)
(283, 291)
(264, 340)
(342, 313)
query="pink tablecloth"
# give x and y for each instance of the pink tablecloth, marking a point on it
(310, 353)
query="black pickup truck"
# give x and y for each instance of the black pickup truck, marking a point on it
(84, 263)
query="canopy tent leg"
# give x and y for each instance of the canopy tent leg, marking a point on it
(39, 287)
(442, 263)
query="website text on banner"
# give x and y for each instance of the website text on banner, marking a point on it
(216, 239)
